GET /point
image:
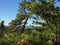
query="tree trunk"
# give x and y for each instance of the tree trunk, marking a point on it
(24, 25)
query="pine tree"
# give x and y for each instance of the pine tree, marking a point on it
(44, 9)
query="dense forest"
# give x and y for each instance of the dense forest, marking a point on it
(48, 31)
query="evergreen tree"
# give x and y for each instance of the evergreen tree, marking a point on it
(45, 9)
(50, 28)
(2, 24)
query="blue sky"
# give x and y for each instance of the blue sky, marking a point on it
(8, 9)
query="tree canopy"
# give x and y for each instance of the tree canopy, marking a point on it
(46, 34)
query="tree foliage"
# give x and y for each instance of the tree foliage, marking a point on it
(46, 34)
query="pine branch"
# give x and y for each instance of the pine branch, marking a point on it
(50, 26)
